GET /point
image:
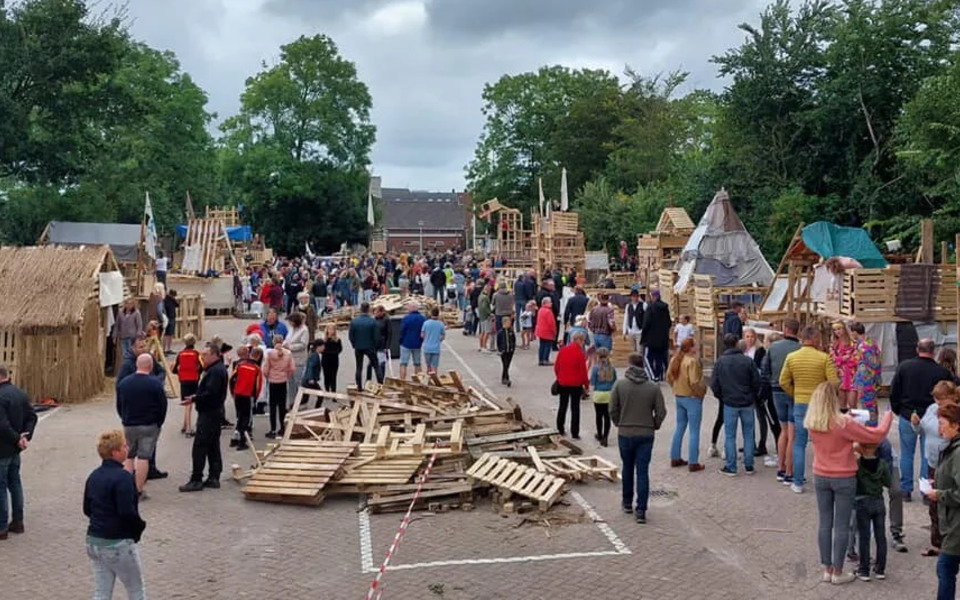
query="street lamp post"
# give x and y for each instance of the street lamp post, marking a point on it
(421, 238)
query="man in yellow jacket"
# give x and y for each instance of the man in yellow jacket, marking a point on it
(802, 372)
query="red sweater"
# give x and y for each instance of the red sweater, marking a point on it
(571, 366)
(833, 450)
(546, 324)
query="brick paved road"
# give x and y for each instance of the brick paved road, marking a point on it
(717, 538)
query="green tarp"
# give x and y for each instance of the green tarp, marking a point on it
(829, 240)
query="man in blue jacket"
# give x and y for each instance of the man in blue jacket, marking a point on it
(128, 368)
(410, 340)
(143, 409)
(17, 422)
(110, 502)
(736, 383)
(364, 335)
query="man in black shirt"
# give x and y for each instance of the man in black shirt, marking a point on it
(209, 399)
(17, 422)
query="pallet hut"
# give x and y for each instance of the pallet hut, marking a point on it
(126, 241)
(720, 263)
(661, 248)
(56, 318)
(832, 273)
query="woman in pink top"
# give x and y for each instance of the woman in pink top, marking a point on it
(843, 352)
(278, 367)
(835, 473)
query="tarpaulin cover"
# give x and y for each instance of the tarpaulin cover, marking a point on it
(829, 240)
(722, 247)
(123, 238)
(240, 233)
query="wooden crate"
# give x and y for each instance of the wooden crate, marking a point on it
(704, 309)
(190, 316)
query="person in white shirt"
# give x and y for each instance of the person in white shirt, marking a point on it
(683, 330)
(633, 321)
(161, 268)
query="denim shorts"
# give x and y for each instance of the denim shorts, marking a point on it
(784, 404)
(602, 340)
(407, 353)
(432, 359)
(141, 440)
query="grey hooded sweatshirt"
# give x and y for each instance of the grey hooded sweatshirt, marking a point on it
(636, 404)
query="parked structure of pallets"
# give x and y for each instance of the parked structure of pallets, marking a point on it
(511, 477)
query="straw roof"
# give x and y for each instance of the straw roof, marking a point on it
(48, 287)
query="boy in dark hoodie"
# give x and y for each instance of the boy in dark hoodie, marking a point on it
(873, 474)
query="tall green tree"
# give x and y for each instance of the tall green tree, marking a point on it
(57, 92)
(296, 154)
(523, 113)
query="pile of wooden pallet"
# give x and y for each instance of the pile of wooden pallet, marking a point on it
(395, 305)
(376, 441)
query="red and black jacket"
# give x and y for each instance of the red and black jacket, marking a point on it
(247, 379)
(188, 366)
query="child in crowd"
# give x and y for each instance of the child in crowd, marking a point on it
(526, 323)
(683, 330)
(602, 377)
(873, 474)
(187, 368)
(506, 345)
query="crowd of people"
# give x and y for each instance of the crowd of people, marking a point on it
(782, 385)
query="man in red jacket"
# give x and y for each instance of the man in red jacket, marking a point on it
(573, 380)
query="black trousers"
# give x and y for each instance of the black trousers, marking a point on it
(658, 361)
(569, 396)
(330, 368)
(244, 407)
(381, 370)
(767, 415)
(603, 419)
(206, 447)
(718, 424)
(372, 357)
(505, 359)
(278, 405)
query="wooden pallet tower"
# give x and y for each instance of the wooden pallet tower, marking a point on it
(558, 242)
(661, 248)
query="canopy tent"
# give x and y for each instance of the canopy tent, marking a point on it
(829, 240)
(722, 247)
(240, 233)
(124, 239)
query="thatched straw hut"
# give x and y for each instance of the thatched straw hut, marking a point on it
(58, 308)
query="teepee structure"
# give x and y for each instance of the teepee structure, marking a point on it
(721, 247)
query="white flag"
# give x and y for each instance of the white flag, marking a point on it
(540, 183)
(150, 236)
(564, 201)
(370, 218)
(309, 251)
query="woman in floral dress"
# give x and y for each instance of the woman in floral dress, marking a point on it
(843, 352)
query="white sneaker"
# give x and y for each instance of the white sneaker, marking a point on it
(797, 489)
(826, 577)
(713, 452)
(842, 578)
(771, 461)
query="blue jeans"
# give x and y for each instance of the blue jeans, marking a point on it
(746, 417)
(543, 353)
(120, 560)
(784, 404)
(635, 453)
(799, 443)
(602, 340)
(689, 413)
(908, 447)
(519, 307)
(947, 566)
(835, 497)
(10, 481)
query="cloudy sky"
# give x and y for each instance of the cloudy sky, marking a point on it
(426, 61)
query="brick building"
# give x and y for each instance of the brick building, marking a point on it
(429, 220)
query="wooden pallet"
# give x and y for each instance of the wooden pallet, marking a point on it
(513, 478)
(365, 470)
(298, 471)
(576, 468)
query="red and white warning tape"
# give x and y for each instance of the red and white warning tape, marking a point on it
(375, 587)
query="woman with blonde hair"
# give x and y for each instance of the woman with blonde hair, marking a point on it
(685, 374)
(835, 473)
(843, 353)
(602, 378)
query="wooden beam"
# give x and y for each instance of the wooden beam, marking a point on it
(925, 253)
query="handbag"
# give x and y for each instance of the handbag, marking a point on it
(555, 388)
